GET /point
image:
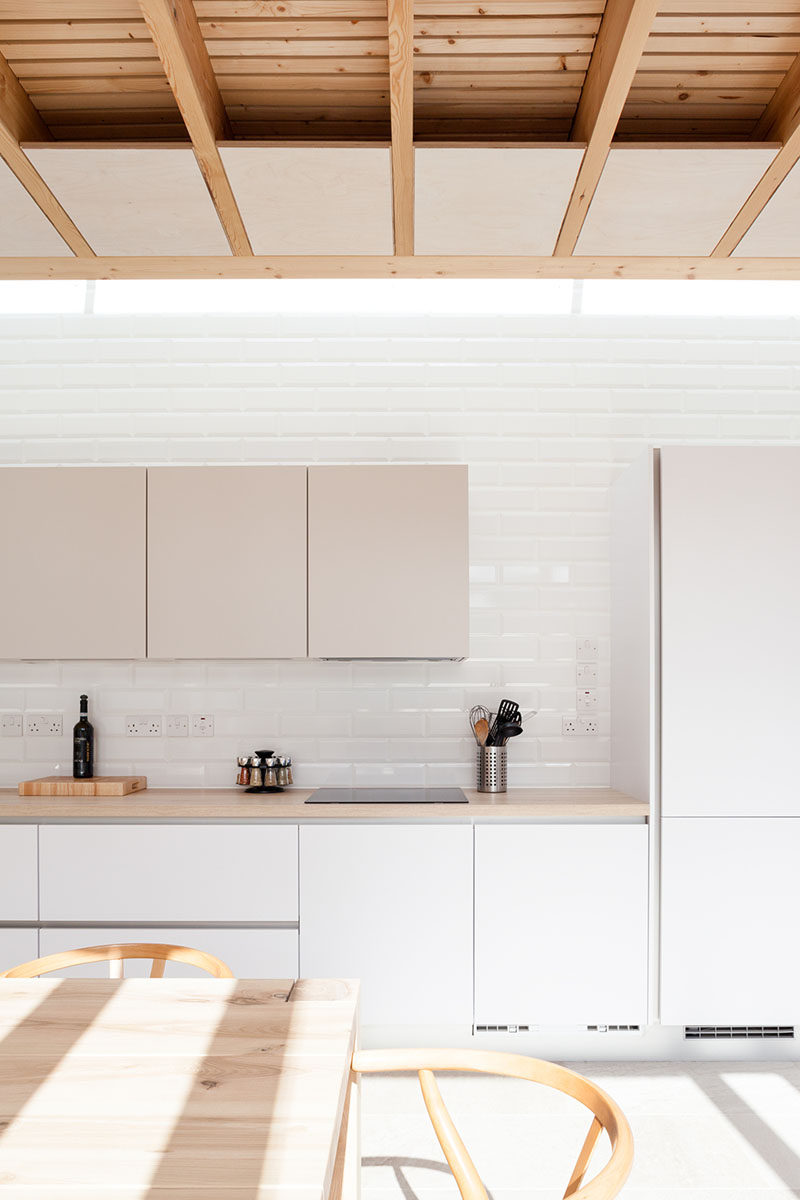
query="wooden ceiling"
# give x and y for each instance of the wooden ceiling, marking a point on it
(705, 75)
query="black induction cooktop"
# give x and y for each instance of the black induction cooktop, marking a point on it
(388, 795)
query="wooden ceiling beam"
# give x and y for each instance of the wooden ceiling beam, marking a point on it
(407, 267)
(401, 102)
(618, 48)
(177, 38)
(20, 122)
(780, 122)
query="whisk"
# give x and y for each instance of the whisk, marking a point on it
(477, 713)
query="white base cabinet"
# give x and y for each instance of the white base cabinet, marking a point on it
(19, 898)
(730, 910)
(391, 905)
(18, 946)
(560, 925)
(250, 953)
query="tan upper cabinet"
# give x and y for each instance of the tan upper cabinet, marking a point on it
(388, 562)
(226, 562)
(72, 544)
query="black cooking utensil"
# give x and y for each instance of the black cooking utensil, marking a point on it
(508, 731)
(507, 714)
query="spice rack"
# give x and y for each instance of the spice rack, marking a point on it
(264, 772)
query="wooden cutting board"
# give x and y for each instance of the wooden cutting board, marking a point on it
(101, 785)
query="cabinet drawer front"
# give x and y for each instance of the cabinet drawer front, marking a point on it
(192, 873)
(250, 953)
(18, 946)
(18, 873)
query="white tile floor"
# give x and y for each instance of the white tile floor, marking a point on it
(702, 1131)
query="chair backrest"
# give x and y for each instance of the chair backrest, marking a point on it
(115, 956)
(606, 1115)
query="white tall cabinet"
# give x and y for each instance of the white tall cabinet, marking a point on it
(706, 573)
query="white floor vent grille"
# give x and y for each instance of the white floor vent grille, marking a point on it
(613, 1028)
(738, 1031)
(502, 1028)
(550, 1029)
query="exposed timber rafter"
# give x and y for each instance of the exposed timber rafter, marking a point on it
(176, 34)
(621, 39)
(20, 122)
(364, 266)
(779, 123)
(401, 98)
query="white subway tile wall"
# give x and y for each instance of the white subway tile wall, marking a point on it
(545, 410)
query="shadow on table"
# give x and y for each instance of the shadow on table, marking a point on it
(34, 1046)
(220, 1138)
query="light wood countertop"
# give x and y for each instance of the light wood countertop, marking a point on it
(229, 804)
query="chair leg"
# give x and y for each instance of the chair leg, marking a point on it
(464, 1172)
(579, 1170)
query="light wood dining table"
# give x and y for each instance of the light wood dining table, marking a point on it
(171, 1089)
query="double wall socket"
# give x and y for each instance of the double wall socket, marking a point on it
(44, 724)
(579, 726)
(147, 726)
(177, 725)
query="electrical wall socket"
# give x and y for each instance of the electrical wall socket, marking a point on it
(202, 725)
(587, 649)
(147, 726)
(587, 700)
(586, 674)
(177, 725)
(10, 724)
(579, 726)
(44, 724)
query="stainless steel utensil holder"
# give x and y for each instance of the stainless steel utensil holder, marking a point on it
(491, 768)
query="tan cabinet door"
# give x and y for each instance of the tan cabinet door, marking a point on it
(226, 562)
(388, 562)
(72, 545)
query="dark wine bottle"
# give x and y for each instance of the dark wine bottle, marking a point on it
(83, 744)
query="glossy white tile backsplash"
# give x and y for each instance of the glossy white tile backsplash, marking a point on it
(546, 411)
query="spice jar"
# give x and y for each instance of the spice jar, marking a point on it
(243, 777)
(270, 772)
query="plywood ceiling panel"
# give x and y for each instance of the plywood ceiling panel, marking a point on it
(484, 69)
(490, 200)
(24, 229)
(670, 199)
(133, 200)
(313, 200)
(776, 231)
